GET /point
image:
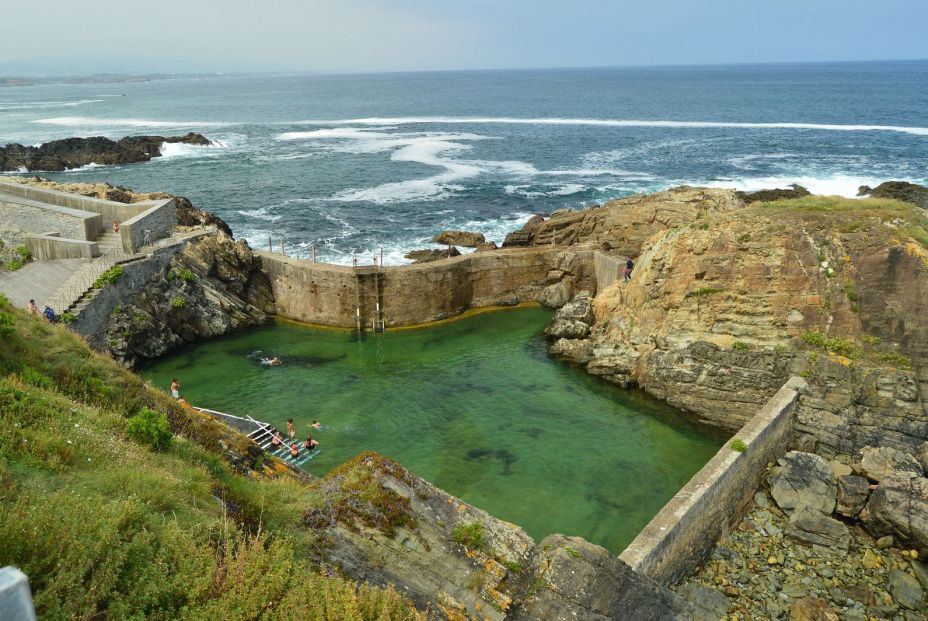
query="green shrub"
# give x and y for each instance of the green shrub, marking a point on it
(738, 445)
(572, 552)
(178, 302)
(31, 376)
(741, 346)
(895, 359)
(23, 253)
(850, 289)
(68, 317)
(109, 277)
(745, 237)
(469, 535)
(186, 275)
(151, 428)
(14, 264)
(7, 324)
(703, 292)
(839, 346)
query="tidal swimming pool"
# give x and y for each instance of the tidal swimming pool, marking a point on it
(475, 406)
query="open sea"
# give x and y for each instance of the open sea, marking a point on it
(357, 163)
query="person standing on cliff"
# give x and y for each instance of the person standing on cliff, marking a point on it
(629, 266)
(175, 388)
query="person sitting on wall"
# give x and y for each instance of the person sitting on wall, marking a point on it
(277, 440)
(115, 226)
(310, 444)
(32, 307)
(49, 314)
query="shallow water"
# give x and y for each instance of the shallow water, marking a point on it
(475, 406)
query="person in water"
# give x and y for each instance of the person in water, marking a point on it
(294, 450)
(290, 430)
(277, 440)
(175, 388)
(316, 425)
(271, 362)
(309, 444)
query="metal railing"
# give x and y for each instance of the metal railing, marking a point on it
(82, 281)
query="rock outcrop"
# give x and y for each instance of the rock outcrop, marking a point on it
(899, 190)
(466, 239)
(212, 287)
(426, 255)
(793, 191)
(71, 153)
(384, 525)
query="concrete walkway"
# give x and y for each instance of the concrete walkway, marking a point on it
(38, 280)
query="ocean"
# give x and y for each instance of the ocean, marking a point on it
(356, 163)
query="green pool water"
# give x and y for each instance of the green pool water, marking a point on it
(475, 406)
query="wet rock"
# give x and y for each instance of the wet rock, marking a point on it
(424, 256)
(906, 590)
(883, 461)
(579, 351)
(793, 191)
(899, 507)
(810, 526)
(804, 479)
(573, 319)
(467, 239)
(556, 295)
(853, 492)
(711, 605)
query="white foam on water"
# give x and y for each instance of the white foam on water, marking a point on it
(535, 191)
(263, 213)
(89, 166)
(477, 120)
(831, 185)
(170, 150)
(86, 121)
(41, 105)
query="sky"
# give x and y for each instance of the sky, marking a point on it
(85, 36)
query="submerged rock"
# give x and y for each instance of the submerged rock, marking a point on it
(69, 153)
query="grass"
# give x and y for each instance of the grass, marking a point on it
(838, 346)
(108, 277)
(469, 535)
(738, 445)
(741, 346)
(702, 292)
(106, 527)
(178, 302)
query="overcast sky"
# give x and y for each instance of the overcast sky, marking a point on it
(378, 35)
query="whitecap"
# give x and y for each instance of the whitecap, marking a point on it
(837, 184)
(85, 121)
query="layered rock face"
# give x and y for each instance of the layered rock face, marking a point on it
(213, 286)
(71, 153)
(727, 301)
(387, 526)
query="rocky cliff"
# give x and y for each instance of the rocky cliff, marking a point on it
(727, 300)
(211, 287)
(69, 153)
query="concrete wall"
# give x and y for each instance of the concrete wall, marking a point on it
(108, 210)
(35, 217)
(410, 294)
(688, 527)
(609, 268)
(159, 218)
(51, 246)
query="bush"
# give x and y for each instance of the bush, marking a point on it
(469, 535)
(23, 253)
(68, 317)
(31, 376)
(178, 302)
(14, 264)
(7, 324)
(109, 277)
(839, 346)
(738, 445)
(740, 346)
(186, 275)
(703, 292)
(151, 428)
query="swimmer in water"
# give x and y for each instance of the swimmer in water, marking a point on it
(316, 425)
(276, 440)
(294, 450)
(290, 430)
(271, 362)
(309, 444)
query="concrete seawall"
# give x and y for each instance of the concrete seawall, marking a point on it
(331, 295)
(686, 529)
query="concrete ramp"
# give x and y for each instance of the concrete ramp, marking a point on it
(37, 280)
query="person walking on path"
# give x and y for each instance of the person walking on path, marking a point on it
(629, 266)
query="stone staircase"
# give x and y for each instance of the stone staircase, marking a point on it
(71, 296)
(108, 240)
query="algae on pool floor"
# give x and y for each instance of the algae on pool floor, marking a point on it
(475, 406)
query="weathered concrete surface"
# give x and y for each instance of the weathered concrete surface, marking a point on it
(52, 247)
(413, 294)
(37, 280)
(15, 596)
(685, 530)
(25, 215)
(156, 222)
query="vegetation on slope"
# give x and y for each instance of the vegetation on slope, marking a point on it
(108, 527)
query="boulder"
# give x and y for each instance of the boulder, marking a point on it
(793, 191)
(534, 224)
(467, 239)
(881, 462)
(556, 295)
(906, 590)
(573, 319)
(486, 246)
(899, 190)
(710, 605)
(518, 239)
(853, 492)
(804, 479)
(579, 351)
(810, 526)
(899, 507)
(922, 456)
(424, 256)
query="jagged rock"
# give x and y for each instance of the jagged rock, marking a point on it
(467, 239)
(853, 492)
(810, 526)
(573, 319)
(922, 456)
(556, 295)
(424, 256)
(793, 191)
(486, 246)
(69, 153)
(212, 287)
(711, 605)
(575, 579)
(188, 215)
(804, 480)
(906, 590)
(899, 507)
(881, 462)
(579, 351)
(518, 239)
(534, 224)
(899, 190)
